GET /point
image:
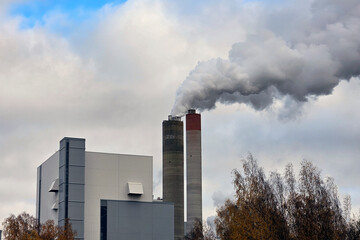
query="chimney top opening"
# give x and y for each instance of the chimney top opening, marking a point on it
(174, 118)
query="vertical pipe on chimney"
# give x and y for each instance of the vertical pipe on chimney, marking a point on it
(193, 168)
(173, 170)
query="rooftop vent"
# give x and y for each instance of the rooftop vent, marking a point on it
(55, 206)
(135, 188)
(54, 186)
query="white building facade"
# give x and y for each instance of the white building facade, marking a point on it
(104, 196)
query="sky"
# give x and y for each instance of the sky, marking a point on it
(110, 72)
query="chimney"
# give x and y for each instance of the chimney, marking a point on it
(193, 168)
(173, 170)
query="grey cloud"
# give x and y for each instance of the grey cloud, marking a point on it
(219, 198)
(109, 86)
(327, 134)
(114, 88)
(300, 67)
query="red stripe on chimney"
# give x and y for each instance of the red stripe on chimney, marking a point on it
(193, 122)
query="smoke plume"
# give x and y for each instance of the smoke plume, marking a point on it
(298, 59)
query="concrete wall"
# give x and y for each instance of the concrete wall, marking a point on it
(193, 169)
(106, 177)
(173, 172)
(137, 220)
(47, 173)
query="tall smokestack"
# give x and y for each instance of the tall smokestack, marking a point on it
(173, 170)
(193, 168)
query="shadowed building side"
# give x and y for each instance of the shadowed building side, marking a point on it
(173, 171)
(193, 168)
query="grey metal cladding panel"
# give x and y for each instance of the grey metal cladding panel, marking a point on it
(63, 143)
(61, 223)
(76, 174)
(131, 219)
(77, 157)
(76, 192)
(76, 211)
(131, 216)
(78, 143)
(163, 223)
(128, 236)
(112, 218)
(62, 157)
(62, 171)
(61, 211)
(140, 220)
(62, 192)
(73, 142)
(78, 227)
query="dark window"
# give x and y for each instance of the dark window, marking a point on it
(67, 181)
(103, 220)
(39, 197)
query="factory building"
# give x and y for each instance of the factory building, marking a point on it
(109, 196)
(105, 196)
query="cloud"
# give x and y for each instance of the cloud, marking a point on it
(111, 84)
(267, 65)
(219, 198)
(113, 79)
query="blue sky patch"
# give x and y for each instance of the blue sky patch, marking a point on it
(35, 11)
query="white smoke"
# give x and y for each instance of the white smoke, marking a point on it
(308, 57)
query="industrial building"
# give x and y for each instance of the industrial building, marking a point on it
(110, 196)
(105, 196)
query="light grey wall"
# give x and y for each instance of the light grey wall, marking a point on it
(106, 177)
(49, 172)
(140, 220)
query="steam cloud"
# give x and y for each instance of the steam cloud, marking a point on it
(307, 58)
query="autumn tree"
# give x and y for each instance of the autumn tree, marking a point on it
(26, 227)
(282, 207)
(200, 231)
(65, 232)
(353, 231)
(256, 212)
(313, 207)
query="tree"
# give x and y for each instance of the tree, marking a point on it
(200, 231)
(65, 232)
(282, 207)
(26, 227)
(353, 232)
(256, 211)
